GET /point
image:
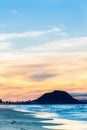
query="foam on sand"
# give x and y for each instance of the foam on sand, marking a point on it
(45, 115)
(66, 124)
(21, 110)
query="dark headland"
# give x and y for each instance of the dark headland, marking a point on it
(55, 97)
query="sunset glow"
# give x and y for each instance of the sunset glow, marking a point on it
(42, 51)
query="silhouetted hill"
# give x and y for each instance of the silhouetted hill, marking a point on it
(56, 97)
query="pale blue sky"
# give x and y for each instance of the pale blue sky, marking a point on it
(67, 17)
(27, 15)
(19, 16)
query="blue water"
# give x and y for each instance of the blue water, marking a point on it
(70, 112)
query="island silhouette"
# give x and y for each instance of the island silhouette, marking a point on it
(55, 97)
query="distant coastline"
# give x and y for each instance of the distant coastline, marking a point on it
(55, 97)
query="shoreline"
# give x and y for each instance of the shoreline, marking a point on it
(21, 119)
(17, 120)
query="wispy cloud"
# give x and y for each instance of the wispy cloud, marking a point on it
(78, 94)
(58, 46)
(30, 34)
(42, 76)
(5, 45)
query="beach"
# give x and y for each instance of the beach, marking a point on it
(15, 120)
(43, 117)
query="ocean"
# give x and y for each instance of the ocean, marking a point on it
(63, 117)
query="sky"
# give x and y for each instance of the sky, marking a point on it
(43, 47)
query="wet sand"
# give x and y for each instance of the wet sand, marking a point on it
(15, 120)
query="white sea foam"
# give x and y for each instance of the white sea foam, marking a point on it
(45, 115)
(21, 110)
(62, 123)
(66, 124)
